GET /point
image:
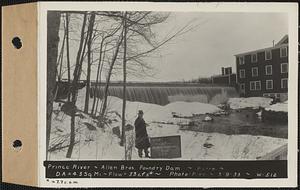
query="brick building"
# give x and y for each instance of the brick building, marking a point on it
(226, 78)
(264, 72)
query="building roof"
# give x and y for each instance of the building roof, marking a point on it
(282, 43)
(284, 40)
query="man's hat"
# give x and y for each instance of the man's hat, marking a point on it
(141, 112)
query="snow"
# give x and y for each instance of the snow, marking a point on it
(189, 109)
(105, 145)
(256, 102)
(207, 118)
(251, 102)
(100, 143)
(95, 144)
(225, 147)
(278, 107)
(157, 113)
(259, 114)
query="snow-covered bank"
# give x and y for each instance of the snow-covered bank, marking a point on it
(157, 113)
(223, 146)
(278, 107)
(102, 144)
(251, 102)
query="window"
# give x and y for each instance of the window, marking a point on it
(284, 83)
(268, 55)
(252, 85)
(241, 61)
(269, 84)
(254, 71)
(254, 58)
(242, 73)
(283, 52)
(255, 85)
(284, 68)
(242, 87)
(269, 70)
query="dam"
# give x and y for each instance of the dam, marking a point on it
(164, 93)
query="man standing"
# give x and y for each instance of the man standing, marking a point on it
(141, 135)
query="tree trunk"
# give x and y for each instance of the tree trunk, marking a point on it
(68, 53)
(53, 20)
(76, 76)
(88, 76)
(61, 58)
(97, 77)
(99, 81)
(82, 58)
(124, 81)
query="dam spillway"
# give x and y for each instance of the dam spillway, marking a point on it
(163, 94)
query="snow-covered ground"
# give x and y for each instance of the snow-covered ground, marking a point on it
(100, 143)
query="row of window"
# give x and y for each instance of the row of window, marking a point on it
(256, 85)
(268, 70)
(268, 55)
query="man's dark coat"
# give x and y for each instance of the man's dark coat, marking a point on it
(141, 135)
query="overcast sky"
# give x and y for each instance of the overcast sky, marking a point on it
(214, 43)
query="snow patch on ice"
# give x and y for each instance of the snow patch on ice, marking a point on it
(189, 109)
(278, 107)
(251, 102)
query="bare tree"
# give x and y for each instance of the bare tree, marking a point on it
(61, 56)
(98, 82)
(124, 78)
(88, 76)
(112, 63)
(53, 22)
(131, 42)
(76, 76)
(98, 77)
(68, 51)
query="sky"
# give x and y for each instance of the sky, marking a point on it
(213, 44)
(208, 47)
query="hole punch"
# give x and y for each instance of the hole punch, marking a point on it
(17, 145)
(16, 41)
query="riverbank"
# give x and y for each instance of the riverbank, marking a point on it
(99, 142)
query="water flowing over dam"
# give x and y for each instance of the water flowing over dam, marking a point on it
(163, 94)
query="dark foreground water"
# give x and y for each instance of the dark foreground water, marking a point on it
(238, 122)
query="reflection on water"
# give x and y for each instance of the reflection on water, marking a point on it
(243, 121)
